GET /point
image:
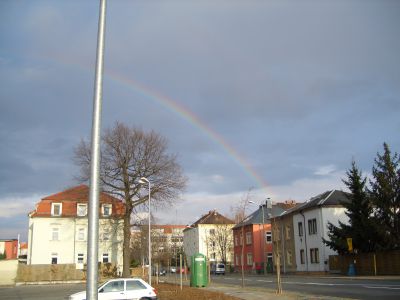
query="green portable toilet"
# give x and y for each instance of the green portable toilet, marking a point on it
(198, 274)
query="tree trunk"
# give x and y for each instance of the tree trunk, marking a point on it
(127, 245)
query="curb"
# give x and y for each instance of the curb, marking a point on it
(48, 282)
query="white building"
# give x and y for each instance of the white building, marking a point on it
(211, 235)
(58, 229)
(310, 222)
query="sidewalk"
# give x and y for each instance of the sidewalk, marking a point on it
(256, 293)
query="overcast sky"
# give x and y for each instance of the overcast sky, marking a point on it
(277, 96)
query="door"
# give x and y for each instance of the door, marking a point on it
(114, 290)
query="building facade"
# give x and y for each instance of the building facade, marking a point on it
(9, 248)
(300, 232)
(253, 247)
(58, 229)
(166, 244)
(211, 235)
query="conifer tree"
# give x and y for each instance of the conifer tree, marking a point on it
(361, 227)
(359, 211)
(385, 193)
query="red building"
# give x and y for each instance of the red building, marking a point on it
(252, 239)
(9, 247)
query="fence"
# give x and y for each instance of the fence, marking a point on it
(61, 272)
(380, 263)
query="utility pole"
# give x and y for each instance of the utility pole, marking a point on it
(93, 213)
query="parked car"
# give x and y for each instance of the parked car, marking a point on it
(183, 270)
(122, 288)
(173, 270)
(162, 273)
(220, 269)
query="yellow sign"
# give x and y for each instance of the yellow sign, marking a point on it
(350, 244)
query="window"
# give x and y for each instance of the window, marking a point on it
(55, 234)
(80, 258)
(237, 260)
(287, 232)
(107, 208)
(277, 234)
(289, 257)
(312, 226)
(236, 240)
(106, 234)
(302, 256)
(241, 239)
(81, 234)
(248, 238)
(269, 256)
(268, 237)
(314, 254)
(81, 209)
(54, 258)
(300, 227)
(56, 209)
(105, 258)
(249, 259)
(212, 231)
(132, 285)
(113, 286)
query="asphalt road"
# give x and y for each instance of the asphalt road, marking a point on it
(324, 287)
(341, 287)
(40, 292)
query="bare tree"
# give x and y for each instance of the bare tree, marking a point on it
(127, 154)
(222, 239)
(240, 215)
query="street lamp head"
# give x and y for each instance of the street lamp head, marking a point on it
(144, 180)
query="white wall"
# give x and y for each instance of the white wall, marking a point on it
(41, 246)
(195, 241)
(333, 215)
(8, 271)
(323, 216)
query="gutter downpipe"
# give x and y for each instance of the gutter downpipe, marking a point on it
(305, 239)
(283, 247)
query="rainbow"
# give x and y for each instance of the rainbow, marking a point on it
(179, 110)
(188, 115)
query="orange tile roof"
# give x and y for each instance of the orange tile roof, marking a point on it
(71, 197)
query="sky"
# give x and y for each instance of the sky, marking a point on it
(275, 97)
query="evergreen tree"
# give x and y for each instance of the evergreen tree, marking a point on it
(385, 192)
(361, 227)
(338, 237)
(359, 210)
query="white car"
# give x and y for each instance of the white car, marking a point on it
(121, 289)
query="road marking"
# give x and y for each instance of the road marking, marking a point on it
(382, 287)
(393, 287)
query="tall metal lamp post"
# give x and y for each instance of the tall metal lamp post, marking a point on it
(145, 180)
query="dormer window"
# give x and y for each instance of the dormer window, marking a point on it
(81, 209)
(56, 209)
(106, 210)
